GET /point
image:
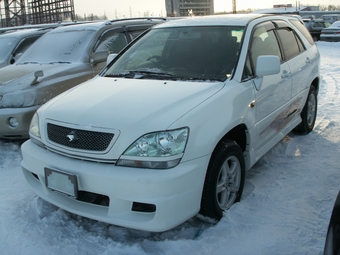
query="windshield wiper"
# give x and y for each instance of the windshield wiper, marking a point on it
(29, 62)
(143, 74)
(60, 62)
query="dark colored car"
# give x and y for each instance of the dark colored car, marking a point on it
(315, 26)
(332, 244)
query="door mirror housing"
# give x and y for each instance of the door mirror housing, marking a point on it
(110, 58)
(99, 57)
(266, 65)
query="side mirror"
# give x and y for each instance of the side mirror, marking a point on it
(110, 58)
(266, 65)
(37, 74)
(99, 57)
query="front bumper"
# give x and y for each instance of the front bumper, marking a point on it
(175, 193)
(23, 117)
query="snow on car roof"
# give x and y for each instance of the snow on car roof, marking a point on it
(23, 32)
(227, 19)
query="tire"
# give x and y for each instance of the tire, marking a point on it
(308, 114)
(224, 181)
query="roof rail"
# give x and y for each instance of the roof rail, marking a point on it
(41, 26)
(140, 18)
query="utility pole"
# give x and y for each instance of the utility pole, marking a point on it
(234, 6)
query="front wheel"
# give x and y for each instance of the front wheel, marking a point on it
(224, 181)
(308, 114)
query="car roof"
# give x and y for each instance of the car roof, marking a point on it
(25, 32)
(220, 20)
(38, 26)
(97, 25)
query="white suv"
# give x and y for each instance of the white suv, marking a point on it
(168, 129)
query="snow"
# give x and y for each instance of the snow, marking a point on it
(288, 199)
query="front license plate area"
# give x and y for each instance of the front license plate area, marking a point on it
(61, 182)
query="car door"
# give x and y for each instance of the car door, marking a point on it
(273, 92)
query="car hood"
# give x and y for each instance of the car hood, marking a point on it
(125, 104)
(18, 77)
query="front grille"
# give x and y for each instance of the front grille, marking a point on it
(79, 139)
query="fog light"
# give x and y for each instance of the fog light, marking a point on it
(13, 122)
(143, 207)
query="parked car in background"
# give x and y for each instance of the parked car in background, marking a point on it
(167, 130)
(332, 243)
(4, 30)
(331, 33)
(331, 18)
(315, 26)
(59, 60)
(14, 43)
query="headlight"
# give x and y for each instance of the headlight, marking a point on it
(18, 99)
(162, 149)
(34, 126)
(34, 131)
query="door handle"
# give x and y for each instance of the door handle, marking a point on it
(285, 74)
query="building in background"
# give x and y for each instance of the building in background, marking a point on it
(177, 8)
(23, 12)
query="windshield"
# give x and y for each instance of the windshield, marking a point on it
(188, 53)
(6, 46)
(61, 47)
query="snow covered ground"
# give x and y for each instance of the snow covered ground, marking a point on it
(288, 199)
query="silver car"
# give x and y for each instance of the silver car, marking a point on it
(58, 61)
(331, 33)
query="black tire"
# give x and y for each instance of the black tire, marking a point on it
(308, 114)
(224, 181)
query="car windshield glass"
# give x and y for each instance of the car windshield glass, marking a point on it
(188, 53)
(6, 46)
(58, 47)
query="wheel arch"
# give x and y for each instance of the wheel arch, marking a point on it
(316, 84)
(239, 135)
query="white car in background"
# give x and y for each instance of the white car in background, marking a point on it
(168, 129)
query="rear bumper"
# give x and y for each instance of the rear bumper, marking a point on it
(328, 38)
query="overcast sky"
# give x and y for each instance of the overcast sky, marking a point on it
(136, 8)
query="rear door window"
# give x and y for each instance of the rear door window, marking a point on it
(112, 41)
(291, 44)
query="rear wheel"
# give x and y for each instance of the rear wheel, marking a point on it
(224, 181)
(308, 114)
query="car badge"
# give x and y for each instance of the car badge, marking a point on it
(72, 137)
